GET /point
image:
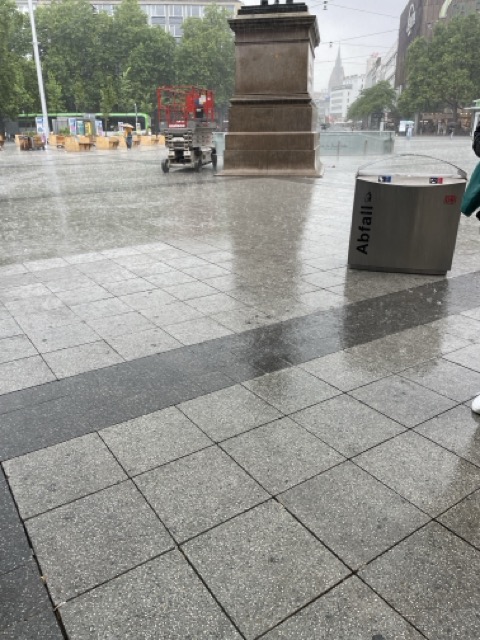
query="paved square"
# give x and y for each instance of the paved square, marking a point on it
(153, 439)
(163, 597)
(291, 389)
(457, 430)
(406, 402)
(161, 376)
(51, 477)
(350, 611)
(433, 579)
(281, 454)
(228, 412)
(429, 476)
(347, 425)
(345, 371)
(96, 538)
(464, 519)
(356, 516)
(198, 492)
(262, 566)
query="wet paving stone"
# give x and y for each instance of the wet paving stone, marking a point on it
(291, 389)
(164, 595)
(402, 400)
(431, 477)
(51, 477)
(263, 566)
(351, 610)
(281, 454)
(464, 519)
(154, 439)
(96, 538)
(356, 516)
(457, 430)
(14, 548)
(432, 579)
(347, 425)
(198, 492)
(23, 594)
(228, 412)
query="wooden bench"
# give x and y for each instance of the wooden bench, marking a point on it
(85, 146)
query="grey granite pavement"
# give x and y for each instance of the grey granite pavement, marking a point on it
(210, 428)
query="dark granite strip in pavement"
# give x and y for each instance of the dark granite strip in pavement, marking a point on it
(25, 611)
(42, 416)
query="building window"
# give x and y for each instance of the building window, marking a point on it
(158, 20)
(195, 11)
(176, 30)
(154, 9)
(176, 10)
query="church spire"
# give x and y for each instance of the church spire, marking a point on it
(337, 76)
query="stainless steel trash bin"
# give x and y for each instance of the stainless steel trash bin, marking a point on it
(405, 222)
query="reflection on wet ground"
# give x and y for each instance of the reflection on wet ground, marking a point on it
(197, 398)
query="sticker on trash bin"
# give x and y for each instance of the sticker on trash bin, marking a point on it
(384, 178)
(435, 180)
(451, 199)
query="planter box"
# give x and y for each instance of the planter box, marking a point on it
(56, 140)
(71, 144)
(104, 143)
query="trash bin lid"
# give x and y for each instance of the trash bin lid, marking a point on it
(426, 180)
(419, 169)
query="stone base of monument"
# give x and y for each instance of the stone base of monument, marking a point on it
(273, 141)
(272, 117)
(285, 153)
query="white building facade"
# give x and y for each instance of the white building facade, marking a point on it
(168, 15)
(341, 97)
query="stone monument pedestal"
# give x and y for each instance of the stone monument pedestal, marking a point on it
(272, 118)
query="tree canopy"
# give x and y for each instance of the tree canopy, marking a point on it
(443, 71)
(94, 62)
(377, 99)
(205, 55)
(15, 67)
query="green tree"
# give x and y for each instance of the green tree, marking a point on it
(377, 99)
(108, 100)
(12, 50)
(67, 33)
(54, 94)
(128, 28)
(444, 71)
(151, 64)
(206, 56)
(124, 92)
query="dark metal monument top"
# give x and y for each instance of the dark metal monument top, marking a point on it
(276, 7)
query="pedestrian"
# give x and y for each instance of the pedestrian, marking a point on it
(129, 139)
(409, 132)
(476, 150)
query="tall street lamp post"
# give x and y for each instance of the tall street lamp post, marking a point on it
(39, 70)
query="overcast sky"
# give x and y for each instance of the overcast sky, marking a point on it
(348, 24)
(346, 19)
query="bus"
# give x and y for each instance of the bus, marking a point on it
(27, 121)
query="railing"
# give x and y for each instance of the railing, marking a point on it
(342, 143)
(356, 143)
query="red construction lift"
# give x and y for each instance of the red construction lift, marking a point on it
(189, 116)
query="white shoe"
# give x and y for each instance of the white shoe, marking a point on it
(476, 405)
